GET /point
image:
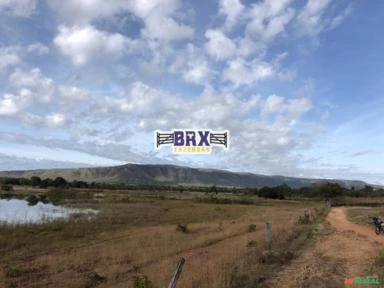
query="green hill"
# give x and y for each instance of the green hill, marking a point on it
(140, 174)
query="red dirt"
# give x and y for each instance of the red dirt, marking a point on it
(338, 219)
(342, 249)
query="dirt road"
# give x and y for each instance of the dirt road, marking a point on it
(338, 219)
(342, 249)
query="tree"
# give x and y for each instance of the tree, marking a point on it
(59, 182)
(213, 189)
(35, 181)
(368, 189)
(329, 190)
(47, 182)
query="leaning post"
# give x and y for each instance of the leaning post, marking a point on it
(177, 274)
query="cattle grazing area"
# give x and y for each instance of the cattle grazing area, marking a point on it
(137, 238)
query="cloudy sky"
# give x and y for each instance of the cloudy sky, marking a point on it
(298, 84)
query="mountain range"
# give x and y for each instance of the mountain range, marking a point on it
(143, 174)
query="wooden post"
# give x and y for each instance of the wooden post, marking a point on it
(177, 274)
(268, 236)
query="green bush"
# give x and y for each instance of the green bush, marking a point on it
(12, 273)
(142, 281)
(380, 258)
(32, 200)
(6, 187)
(251, 228)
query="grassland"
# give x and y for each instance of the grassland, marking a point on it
(134, 239)
(362, 216)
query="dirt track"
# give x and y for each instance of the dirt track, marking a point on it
(342, 249)
(338, 219)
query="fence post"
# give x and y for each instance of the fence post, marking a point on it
(177, 274)
(268, 236)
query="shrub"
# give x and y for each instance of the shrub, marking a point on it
(252, 243)
(32, 200)
(142, 281)
(12, 272)
(6, 187)
(95, 279)
(380, 258)
(241, 280)
(182, 228)
(251, 228)
(125, 199)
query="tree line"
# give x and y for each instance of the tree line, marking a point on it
(325, 190)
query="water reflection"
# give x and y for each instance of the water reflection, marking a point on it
(16, 211)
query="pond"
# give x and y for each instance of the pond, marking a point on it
(17, 211)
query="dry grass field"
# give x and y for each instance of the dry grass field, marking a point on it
(363, 215)
(134, 241)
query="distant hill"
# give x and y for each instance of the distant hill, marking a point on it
(140, 174)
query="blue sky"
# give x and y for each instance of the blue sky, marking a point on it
(297, 83)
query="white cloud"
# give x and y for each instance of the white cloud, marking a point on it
(8, 57)
(11, 56)
(218, 45)
(166, 28)
(154, 108)
(267, 20)
(157, 16)
(242, 72)
(277, 25)
(81, 44)
(55, 120)
(38, 48)
(273, 104)
(41, 87)
(22, 8)
(147, 8)
(33, 103)
(232, 10)
(277, 104)
(336, 21)
(310, 21)
(73, 93)
(12, 104)
(144, 101)
(82, 12)
(159, 23)
(198, 74)
(30, 119)
(193, 66)
(262, 128)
